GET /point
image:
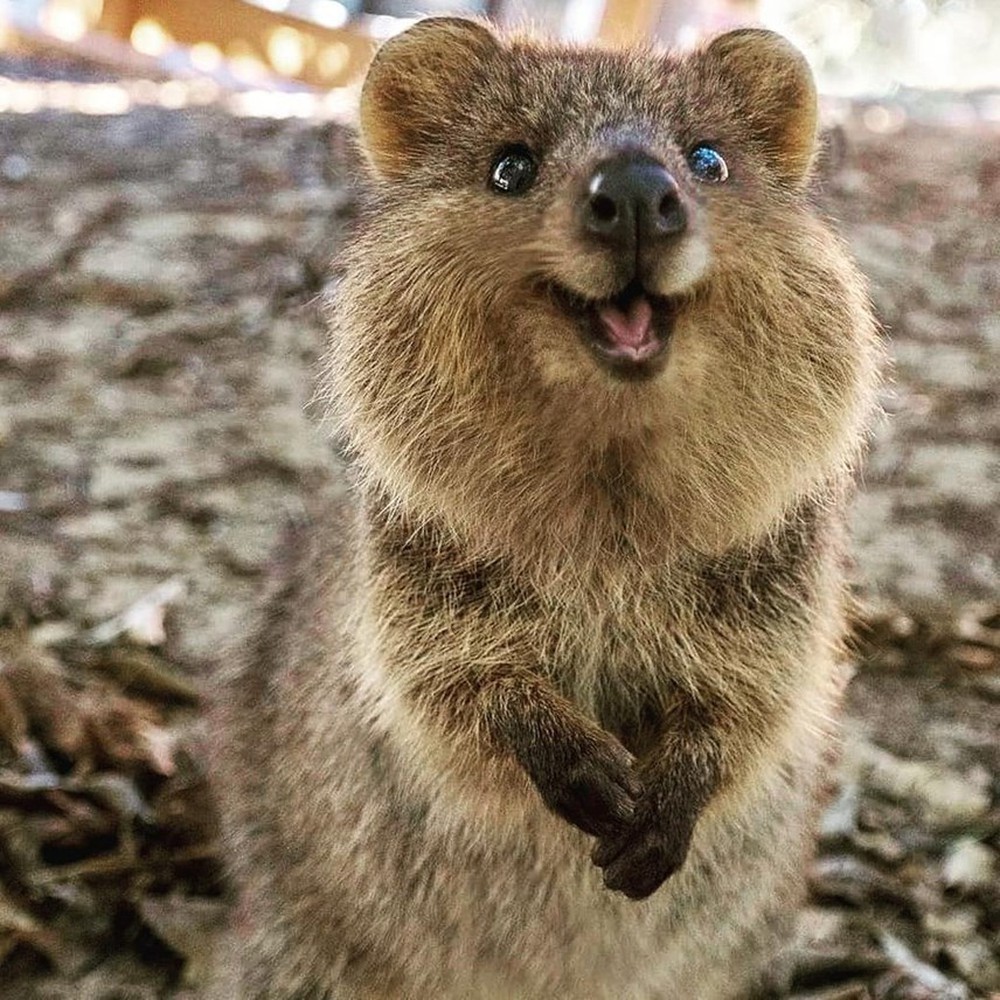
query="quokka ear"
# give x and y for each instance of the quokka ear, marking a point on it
(414, 85)
(773, 89)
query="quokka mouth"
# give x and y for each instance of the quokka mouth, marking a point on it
(629, 332)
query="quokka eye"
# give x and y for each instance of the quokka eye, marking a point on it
(514, 170)
(707, 164)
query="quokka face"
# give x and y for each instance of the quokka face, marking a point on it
(606, 256)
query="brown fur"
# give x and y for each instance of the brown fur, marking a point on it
(569, 631)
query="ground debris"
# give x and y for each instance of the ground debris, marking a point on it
(142, 622)
(946, 798)
(921, 973)
(146, 673)
(189, 926)
(969, 865)
(102, 809)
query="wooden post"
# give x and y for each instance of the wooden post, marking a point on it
(119, 16)
(232, 23)
(628, 21)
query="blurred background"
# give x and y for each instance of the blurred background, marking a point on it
(176, 177)
(870, 47)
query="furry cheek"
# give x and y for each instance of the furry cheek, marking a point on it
(679, 271)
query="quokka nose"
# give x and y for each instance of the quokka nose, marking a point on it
(632, 198)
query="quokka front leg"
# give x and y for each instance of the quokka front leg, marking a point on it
(582, 772)
(470, 678)
(642, 812)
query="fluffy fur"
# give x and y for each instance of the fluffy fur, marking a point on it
(539, 710)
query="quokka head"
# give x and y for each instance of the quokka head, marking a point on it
(602, 257)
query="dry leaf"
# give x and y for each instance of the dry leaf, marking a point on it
(145, 672)
(38, 683)
(143, 621)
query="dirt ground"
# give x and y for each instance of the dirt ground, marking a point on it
(159, 276)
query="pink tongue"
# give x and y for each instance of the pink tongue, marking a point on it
(632, 330)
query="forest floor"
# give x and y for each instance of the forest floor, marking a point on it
(159, 326)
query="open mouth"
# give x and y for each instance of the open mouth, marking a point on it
(628, 332)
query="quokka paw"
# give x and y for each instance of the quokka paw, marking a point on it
(638, 860)
(590, 783)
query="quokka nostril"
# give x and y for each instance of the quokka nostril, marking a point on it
(603, 208)
(672, 216)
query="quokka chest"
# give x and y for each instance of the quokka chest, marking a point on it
(627, 654)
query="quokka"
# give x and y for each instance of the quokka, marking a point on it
(539, 708)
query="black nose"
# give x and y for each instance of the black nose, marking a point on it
(631, 199)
